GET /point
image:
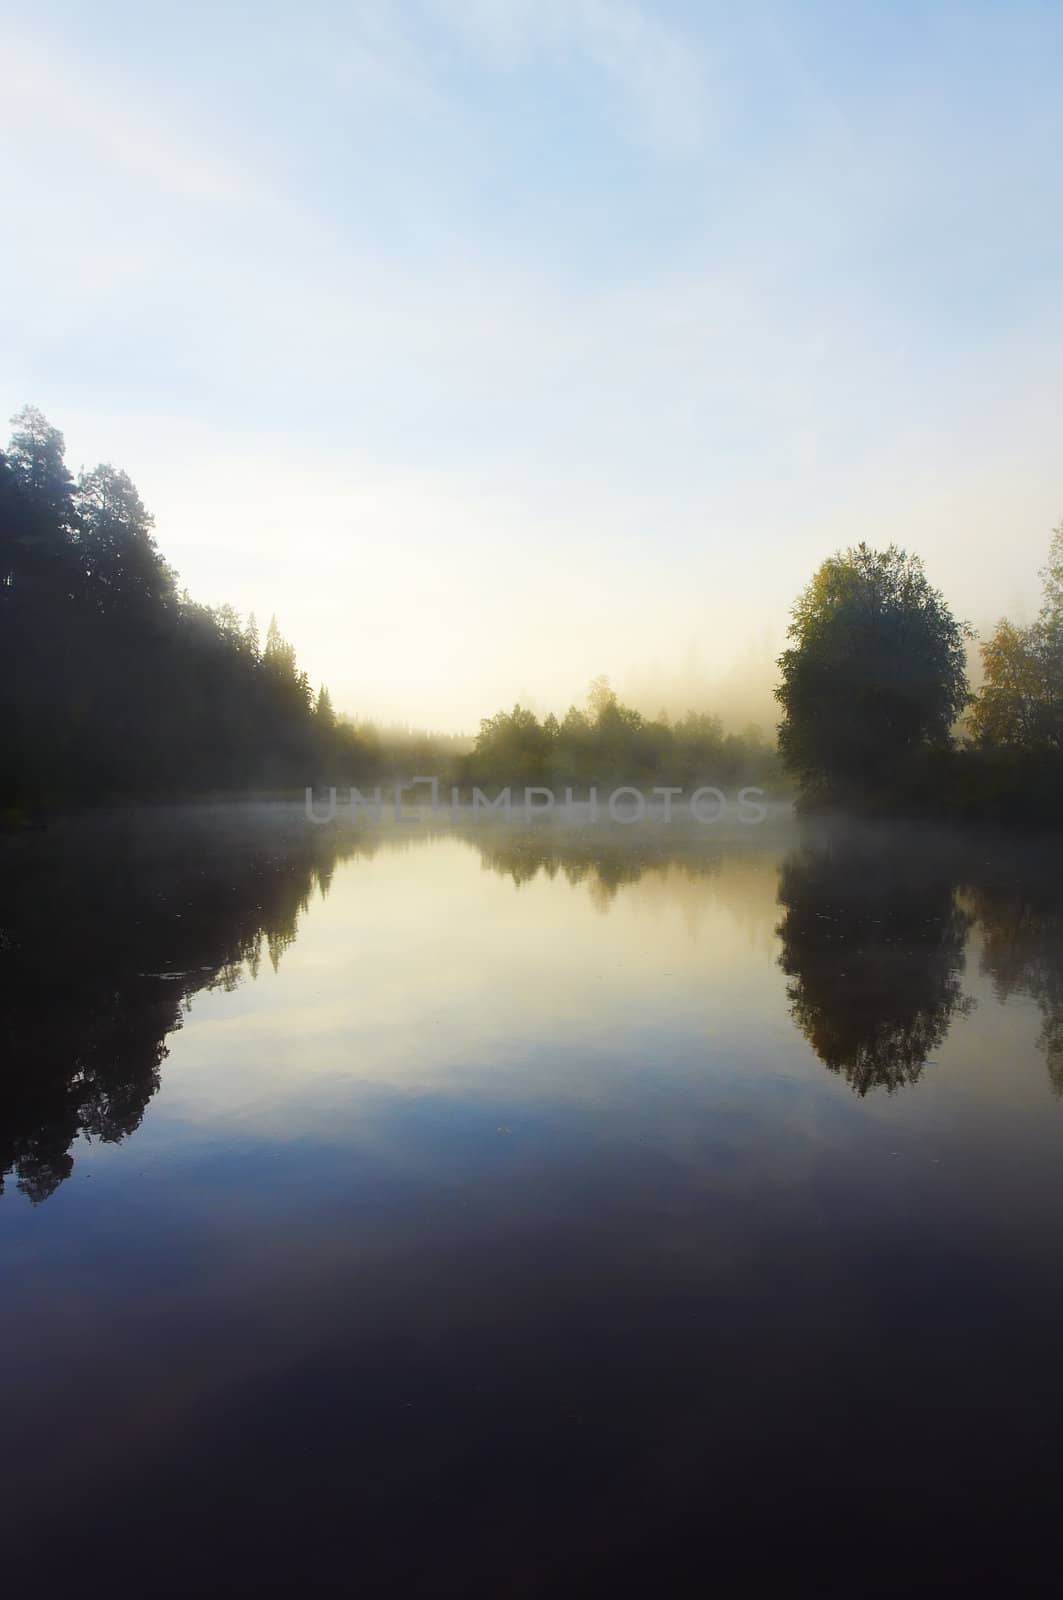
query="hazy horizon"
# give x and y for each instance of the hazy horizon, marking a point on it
(494, 346)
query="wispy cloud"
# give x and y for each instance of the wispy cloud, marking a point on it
(341, 294)
(659, 74)
(93, 118)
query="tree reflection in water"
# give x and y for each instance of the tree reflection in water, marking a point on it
(1021, 928)
(110, 925)
(874, 936)
(873, 943)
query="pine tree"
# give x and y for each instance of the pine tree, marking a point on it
(37, 457)
(323, 712)
(119, 557)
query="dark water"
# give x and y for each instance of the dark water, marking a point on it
(520, 1214)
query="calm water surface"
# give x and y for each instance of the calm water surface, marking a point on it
(524, 1212)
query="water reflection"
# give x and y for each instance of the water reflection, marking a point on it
(110, 927)
(500, 1170)
(603, 860)
(873, 941)
(1021, 928)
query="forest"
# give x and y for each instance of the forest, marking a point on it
(117, 685)
(610, 741)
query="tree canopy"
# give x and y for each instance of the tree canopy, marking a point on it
(875, 673)
(1020, 706)
(113, 682)
(611, 742)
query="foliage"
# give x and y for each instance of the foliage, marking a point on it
(1020, 705)
(114, 683)
(611, 743)
(874, 676)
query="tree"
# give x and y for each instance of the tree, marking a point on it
(1052, 579)
(1007, 710)
(875, 674)
(121, 562)
(323, 712)
(37, 515)
(12, 527)
(601, 696)
(279, 656)
(511, 747)
(36, 455)
(1020, 705)
(112, 682)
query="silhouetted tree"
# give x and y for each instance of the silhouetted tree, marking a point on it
(112, 682)
(874, 677)
(323, 712)
(121, 564)
(37, 457)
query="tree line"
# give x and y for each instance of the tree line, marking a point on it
(114, 682)
(878, 712)
(608, 742)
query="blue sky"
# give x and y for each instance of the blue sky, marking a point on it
(496, 344)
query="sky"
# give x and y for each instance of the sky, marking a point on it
(494, 344)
